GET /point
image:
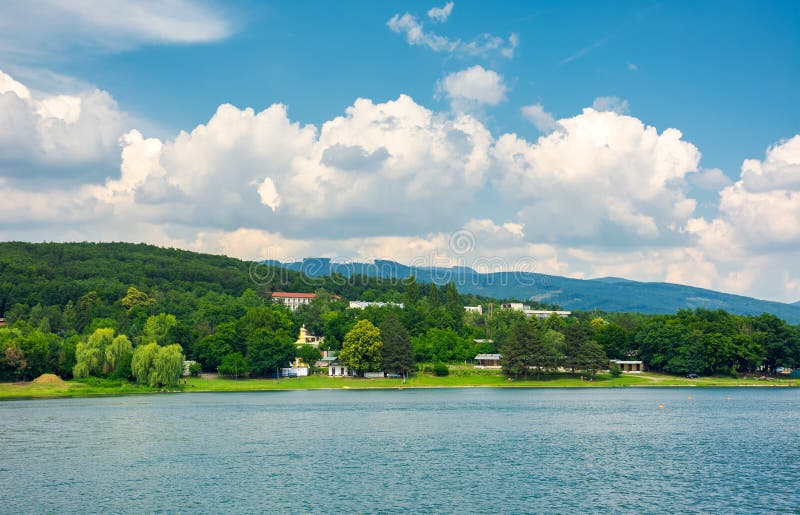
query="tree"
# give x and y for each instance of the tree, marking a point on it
(592, 358)
(552, 351)
(142, 362)
(433, 296)
(160, 329)
(234, 365)
(195, 369)
(90, 356)
(168, 366)
(135, 298)
(411, 292)
(361, 348)
(397, 353)
(521, 345)
(157, 366)
(117, 349)
(14, 359)
(266, 351)
(309, 354)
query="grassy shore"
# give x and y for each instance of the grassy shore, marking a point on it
(459, 378)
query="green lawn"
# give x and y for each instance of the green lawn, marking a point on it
(461, 377)
(11, 391)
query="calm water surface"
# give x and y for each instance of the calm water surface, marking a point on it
(467, 450)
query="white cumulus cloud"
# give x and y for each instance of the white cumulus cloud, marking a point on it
(440, 14)
(473, 86)
(598, 176)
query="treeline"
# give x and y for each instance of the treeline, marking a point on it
(56, 297)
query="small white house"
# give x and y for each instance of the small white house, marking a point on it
(474, 309)
(488, 361)
(630, 367)
(337, 369)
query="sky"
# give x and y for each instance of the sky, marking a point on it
(652, 141)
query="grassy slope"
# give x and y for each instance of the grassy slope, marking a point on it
(10, 391)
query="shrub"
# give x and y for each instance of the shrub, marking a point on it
(615, 370)
(441, 369)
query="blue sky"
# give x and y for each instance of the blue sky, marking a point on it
(724, 74)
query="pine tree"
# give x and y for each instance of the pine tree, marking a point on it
(398, 354)
(521, 347)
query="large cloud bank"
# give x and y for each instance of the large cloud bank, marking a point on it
(600, 193)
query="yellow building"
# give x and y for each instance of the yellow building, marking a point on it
(306, 338)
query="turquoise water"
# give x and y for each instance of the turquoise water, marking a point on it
(466, 450)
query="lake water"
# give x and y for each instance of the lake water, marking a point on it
(465, 450)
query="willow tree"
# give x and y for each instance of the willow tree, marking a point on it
(90, 356)
(157, 366)
(119, 348)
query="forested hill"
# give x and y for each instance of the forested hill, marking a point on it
(55, 273)
(52, 274)
(609, 294)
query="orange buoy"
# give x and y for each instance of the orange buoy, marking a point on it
(690, 397)
(660, 406)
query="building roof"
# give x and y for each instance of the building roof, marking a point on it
(488, 356)
(618, 361)
(291, 295)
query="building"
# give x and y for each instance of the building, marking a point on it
(2, 322)
(488, 361)
(336, 369)
(542, 314)
(631, 367)
(295, 369)
(516, 306)
(187, 364)
(306, 338)
(292, 300)
(474, 309)
(362, 304)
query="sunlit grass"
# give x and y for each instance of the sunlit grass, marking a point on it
(460, 377)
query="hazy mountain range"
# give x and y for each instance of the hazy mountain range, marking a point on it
(604, 294)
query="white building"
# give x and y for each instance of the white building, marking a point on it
(488, 361)
(474, 309)
(295, 369)
(542, 314)
(630, 367)
(516, 306)
(362, 304)
(186, 365)
(336, 369)
(292, 300)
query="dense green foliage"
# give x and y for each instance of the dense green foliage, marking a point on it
(91, 310)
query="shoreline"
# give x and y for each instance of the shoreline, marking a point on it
(71, 389)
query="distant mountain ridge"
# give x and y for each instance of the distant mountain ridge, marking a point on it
(605, 294)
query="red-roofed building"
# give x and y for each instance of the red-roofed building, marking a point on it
(292, 300)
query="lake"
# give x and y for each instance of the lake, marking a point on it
(446, 450)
